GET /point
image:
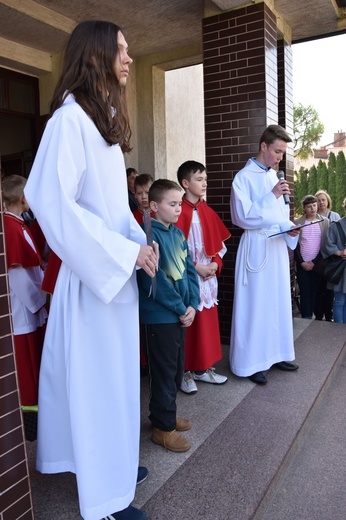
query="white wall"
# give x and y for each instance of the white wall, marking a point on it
(184, 117)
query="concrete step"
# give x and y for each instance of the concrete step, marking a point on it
(236, 473)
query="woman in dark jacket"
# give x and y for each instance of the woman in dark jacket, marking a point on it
(325, 296)
(334, 245)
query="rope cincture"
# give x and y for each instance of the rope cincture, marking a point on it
(247, 266)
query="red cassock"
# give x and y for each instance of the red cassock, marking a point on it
(203, 345)
(51, 273)
(138, 214)
(28, 346)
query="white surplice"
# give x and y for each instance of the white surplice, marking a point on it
(27, 298)
(89, 381)
(262, 329)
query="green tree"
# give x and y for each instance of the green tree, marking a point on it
(312, 180)
(307, 129)
(300, 188)
(340, 182)
(331, 176)
(322, 176)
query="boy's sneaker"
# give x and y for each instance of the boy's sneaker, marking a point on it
(188, 386)
(210, 376)
(130, 513)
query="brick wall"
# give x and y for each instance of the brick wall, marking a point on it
(241, 99)
(15, 495)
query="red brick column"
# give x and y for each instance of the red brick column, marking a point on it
(15, 495)
(241, 99)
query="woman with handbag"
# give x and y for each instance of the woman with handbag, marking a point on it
(335, 244)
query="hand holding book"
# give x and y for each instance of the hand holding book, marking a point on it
(293, 228)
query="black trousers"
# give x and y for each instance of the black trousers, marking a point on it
(324, 302)
(165, 353)
(308, 282)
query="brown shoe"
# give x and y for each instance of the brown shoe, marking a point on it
(183, 425)
(172, 440)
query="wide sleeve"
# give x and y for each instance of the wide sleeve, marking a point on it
(26, 289)
(77, 193)
(253, 204)
(291, 242)
(332, 241)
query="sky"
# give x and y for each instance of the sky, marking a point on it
(319, 79)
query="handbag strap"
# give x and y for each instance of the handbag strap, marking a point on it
(341, 233)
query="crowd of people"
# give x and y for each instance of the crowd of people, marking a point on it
(122, 242)
(319, 297)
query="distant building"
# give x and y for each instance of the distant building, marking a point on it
(322, 153)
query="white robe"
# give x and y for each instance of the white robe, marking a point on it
(89, 380)
(262, 329)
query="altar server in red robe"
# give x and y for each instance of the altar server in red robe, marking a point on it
(205, 233)
(28, 301)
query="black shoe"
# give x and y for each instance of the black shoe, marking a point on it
(130, 513)
(283, 365)
(258, 378)
(142, 474)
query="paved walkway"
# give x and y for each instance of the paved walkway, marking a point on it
(273, 452)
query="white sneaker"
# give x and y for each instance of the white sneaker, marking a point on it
(210, 376)
(188, 386)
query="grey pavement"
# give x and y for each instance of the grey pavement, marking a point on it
(263, 453)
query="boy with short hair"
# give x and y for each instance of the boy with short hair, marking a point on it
(141, 191)
(167, 314)
(205, 233)
(25, 274)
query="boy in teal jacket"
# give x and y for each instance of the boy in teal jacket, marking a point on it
(166, 316)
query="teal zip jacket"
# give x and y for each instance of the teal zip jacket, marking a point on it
(177, 283)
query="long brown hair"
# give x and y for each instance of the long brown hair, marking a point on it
(88, 73)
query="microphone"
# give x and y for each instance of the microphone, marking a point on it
(280, 175)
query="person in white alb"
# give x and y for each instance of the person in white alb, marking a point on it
(262, 328)
(89, 417)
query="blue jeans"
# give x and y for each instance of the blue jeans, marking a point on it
(339, 307)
